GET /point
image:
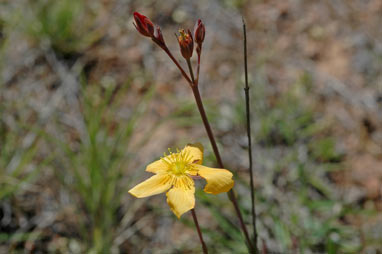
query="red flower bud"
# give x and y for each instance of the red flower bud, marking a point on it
(143, 25)
(186, 43)
(199, 32)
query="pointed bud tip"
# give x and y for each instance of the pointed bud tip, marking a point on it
(143, 25)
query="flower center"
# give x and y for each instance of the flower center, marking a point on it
(178, 168)
(178, 163)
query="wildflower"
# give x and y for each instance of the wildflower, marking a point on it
(174, 173)
(186, 43)
(143, 25)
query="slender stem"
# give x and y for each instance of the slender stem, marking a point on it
(190, 69)
(204, 246)
(231, 194)
(210, 134)
(199, 52)
(246, 90)
(207, 126)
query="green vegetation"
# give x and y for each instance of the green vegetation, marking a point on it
(93, 168)
(68, 26)
(17, 151)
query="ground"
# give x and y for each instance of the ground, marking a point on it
(86, 102)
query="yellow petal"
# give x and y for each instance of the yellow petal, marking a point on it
(154, 185)
(218, 180)
(195, 151)
(157, 167)
(181, 198)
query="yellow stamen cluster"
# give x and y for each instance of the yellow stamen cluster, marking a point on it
(183, 35)
(178, 163)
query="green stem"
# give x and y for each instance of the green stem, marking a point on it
(204, 246)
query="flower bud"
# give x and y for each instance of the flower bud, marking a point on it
(186, 43)
(143, 25)
(199, 32)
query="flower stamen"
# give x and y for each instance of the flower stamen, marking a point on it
(178, 163)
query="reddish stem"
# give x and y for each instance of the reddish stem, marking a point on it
(231, 194)
(198, 68)
(204, 246)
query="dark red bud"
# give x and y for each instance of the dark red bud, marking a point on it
(199, 32)
(143, 25)
(186, 43)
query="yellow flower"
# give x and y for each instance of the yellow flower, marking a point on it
(175, 173)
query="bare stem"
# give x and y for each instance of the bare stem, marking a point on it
(207, 126)
(231, 194)
(248, 115)
(204, 246)
(199, 52)
(191, 71)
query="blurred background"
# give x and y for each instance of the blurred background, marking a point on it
(86, 102)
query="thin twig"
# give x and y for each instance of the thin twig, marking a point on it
(204, 246)
(247, 100)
